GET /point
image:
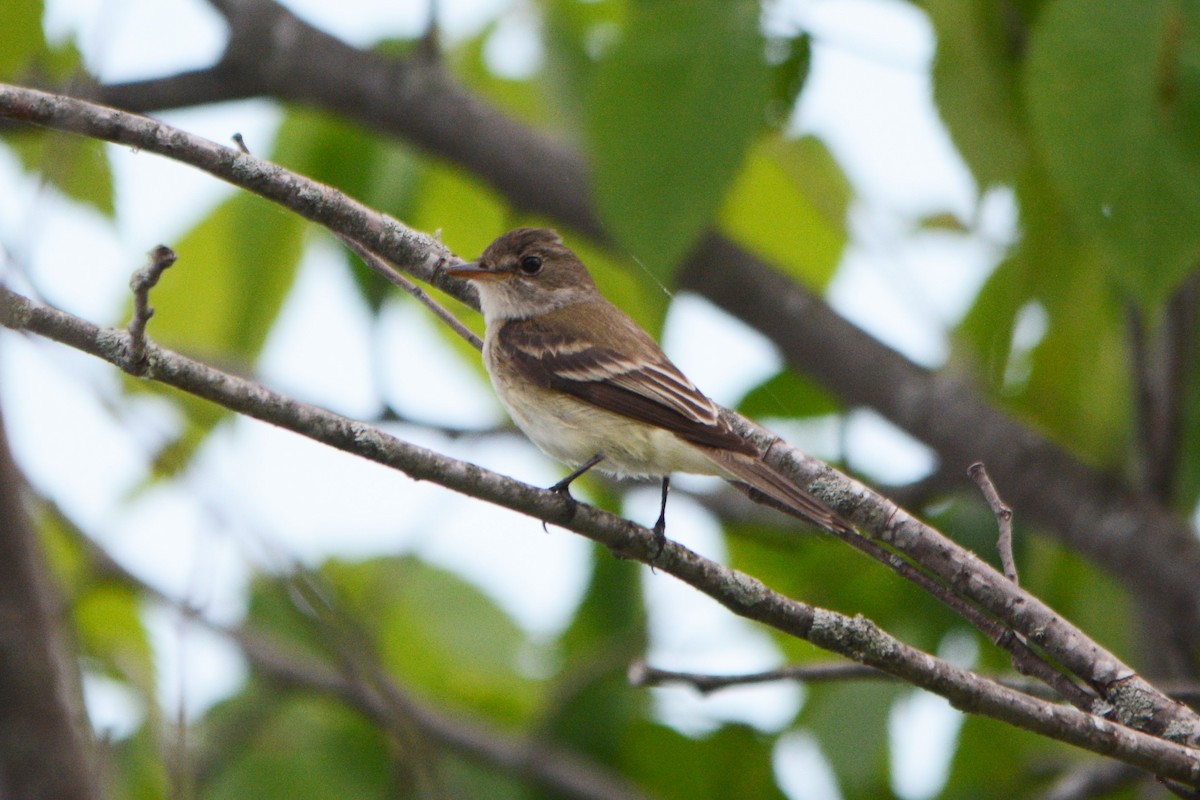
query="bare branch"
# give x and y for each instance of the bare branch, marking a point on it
(854, 638)
(141, 283)
(1004, 516)
(393, 276)
(272, 52)
(45, 747)
(1133, 700)
(644, 675)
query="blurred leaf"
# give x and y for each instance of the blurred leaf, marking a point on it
(787, 394)
(106, 615)
(518, 97)
(109, 626)
(977, 773)
(815, 568)
(851, 722)
(789, 206)
(1187, 477)
(947, 222)
(975, 83)
(733, 762)
(140, 769)
(469, 214)
(234, 271)
(466, 778)
(21, 36)
(1114, 99)
(790, 61)
(674, 107)
(439, 634)
(577, 33)
(75, 165)
(594, 703)
(628, 284)
(1066, 582)
(1074, 382)
(372, 168)
(175, 455)
(219, 302)
(311, 747)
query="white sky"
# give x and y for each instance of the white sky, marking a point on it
(261, 496)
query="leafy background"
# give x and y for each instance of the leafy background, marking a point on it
(1075, 124)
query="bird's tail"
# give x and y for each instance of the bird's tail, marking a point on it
(756, 474)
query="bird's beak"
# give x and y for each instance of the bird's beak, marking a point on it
(472, 271)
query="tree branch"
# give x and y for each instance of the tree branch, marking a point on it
(1131, 699)
(273, 52)
(379, 698)
(855, 638)
(45, 739)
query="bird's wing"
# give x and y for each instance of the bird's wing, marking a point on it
(647, 388)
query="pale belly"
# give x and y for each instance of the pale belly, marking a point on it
(573, 431)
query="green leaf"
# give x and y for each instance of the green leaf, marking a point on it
(976, 773)
(733, 762)
(851, 722)
(1074, 383)
(575, 34)
(1114, 99)
(975, 84)
(75, 165)
(441, 635)
(789, 205)
(787, 394)
(595, 703)
(309, 748)
(109, 626)
(21, 35)
(234, 270)
(141, 773)
(219, 301)
(789, 71)
(469, 214)
(672, 111)
(373, 169)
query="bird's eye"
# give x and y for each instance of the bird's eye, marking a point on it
(531, 265)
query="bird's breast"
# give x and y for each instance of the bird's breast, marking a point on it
(572, 430)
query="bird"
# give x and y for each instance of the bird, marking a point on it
(592, 389)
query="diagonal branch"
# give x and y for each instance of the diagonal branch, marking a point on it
(1129, 697)
(272, 52)
(855, 638)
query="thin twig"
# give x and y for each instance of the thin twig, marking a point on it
(1004, 515)
(393, 276)
(643, 675)
(856, 638)
(141, 283)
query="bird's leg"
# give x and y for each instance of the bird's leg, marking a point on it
(660, 527)
(563, 487)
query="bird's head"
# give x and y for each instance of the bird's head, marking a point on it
(527, 271)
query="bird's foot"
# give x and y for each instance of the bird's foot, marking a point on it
(563, 489)
(660, 538)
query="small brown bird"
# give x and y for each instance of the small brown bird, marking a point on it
(591, 388)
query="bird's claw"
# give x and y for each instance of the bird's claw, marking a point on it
(660, 539)
(563, 489)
